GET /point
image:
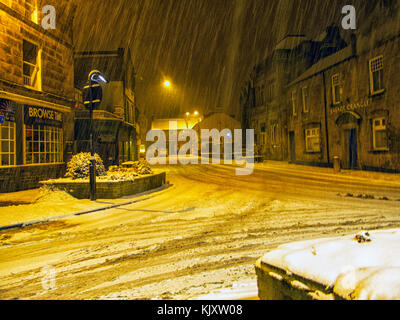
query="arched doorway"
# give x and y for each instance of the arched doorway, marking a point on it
(349, 123)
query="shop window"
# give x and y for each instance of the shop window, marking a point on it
(31, 11)
(7, 143)
(376, 75)
(313, 139)
(380, 140)
(31, 65)
(294, 103)
(43, 144)
(304, 95)
(336, 89)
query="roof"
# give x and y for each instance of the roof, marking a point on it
(163, 124)
(290, 42)
(325, 63)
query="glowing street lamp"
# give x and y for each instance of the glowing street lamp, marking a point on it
(167, 84)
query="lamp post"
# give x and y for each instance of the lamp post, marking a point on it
(93, 94)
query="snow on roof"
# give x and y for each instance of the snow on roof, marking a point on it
(368, 270)
(325, 63)
(290, 42)
(181, 124)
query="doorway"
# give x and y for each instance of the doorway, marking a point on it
(292, 146)
(351, 146)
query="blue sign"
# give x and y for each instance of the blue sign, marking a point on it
(1, 119)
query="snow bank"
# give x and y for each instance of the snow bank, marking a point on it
(355, 270)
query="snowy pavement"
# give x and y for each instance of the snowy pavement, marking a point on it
(199, 238)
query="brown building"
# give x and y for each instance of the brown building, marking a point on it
(345, 105)
(116, 128)
(36, 93)
(339, 100)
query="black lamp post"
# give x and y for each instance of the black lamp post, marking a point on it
(93, 94)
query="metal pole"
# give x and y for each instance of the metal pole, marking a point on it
(92, 171)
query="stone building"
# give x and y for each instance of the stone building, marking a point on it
(345, 105)
(116, 128)
(338, 99)
(36, 93)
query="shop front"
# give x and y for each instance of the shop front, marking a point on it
(32, 143)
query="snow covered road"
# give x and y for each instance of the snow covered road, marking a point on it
(200, 236)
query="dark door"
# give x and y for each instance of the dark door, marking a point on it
(353, 156)
(292, 147)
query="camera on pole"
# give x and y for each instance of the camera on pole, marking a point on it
(92, 95)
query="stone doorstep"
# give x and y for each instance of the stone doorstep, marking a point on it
(278, 284)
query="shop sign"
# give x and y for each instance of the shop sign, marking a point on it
(42, 116)
(350, 107)
(7, 110)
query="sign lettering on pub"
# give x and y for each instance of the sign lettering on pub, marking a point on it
(42, 116)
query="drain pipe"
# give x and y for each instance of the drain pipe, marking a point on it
(326, 120)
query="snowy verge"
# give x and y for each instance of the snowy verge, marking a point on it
(355, 270)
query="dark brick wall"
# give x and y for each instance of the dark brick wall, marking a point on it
(28, 177)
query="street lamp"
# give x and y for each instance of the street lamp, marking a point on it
(92, 98)
(167, 84)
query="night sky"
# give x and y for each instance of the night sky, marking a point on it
(206, 48)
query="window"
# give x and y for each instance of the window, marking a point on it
(380, 140)
(304, 94)
(7, 143)
(294, 103)
(274, 128)
(313, 140)
(336, 89)
(376, 75)
(43, 144)
(263, 134)
(31, 65)
(31, 11)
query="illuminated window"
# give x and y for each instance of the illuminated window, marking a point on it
(304, 95)
(313, 140)
(376, 75)
(31, 65)
(7, 143)
(380, 139)
(336, 89)
(43, 144)
(31, 11)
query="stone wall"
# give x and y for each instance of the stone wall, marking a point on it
(56, 45)
(28, 177)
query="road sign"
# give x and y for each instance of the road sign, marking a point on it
(1, 119)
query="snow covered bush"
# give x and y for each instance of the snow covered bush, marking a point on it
(79, 166)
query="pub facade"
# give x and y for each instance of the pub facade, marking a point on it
(36, 94)
(339, 97)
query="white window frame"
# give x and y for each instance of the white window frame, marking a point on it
(380, 127)
(293, 99)
(305, 99)
(336, 85)
(29, 81)
(56, 154)
(376, 65)
(31, 10)
(313, 133)
(11, 142)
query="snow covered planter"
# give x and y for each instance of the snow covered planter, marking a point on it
(129, 179)
(365, 266)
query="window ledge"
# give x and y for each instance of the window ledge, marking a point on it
(377, 151)
(377, 93)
